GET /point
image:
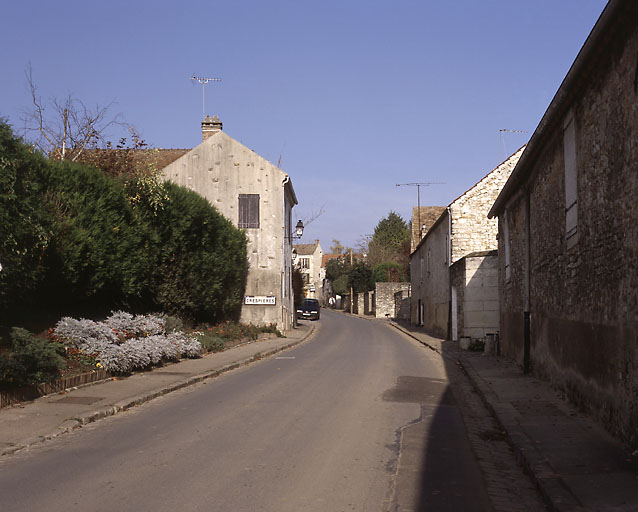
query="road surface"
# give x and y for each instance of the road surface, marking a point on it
(359, 418)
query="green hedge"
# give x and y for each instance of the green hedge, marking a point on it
(25, 226)
(69, 234)
(201, 258)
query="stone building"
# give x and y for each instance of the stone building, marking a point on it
(568, 232)
(462, 229)
(308, 259)
(254, 195)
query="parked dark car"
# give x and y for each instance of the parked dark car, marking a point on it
(309, 309)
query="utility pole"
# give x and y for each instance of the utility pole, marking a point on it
(204, 81)
(418, 198)
(351, 287)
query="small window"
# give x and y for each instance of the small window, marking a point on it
(248, 211)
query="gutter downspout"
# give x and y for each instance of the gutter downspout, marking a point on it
(284, 254)
(449, 277)
(527, 292)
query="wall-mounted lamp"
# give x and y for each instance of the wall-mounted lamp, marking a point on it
(298, 231)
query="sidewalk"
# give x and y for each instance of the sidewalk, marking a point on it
(47, 417)
(576, 465)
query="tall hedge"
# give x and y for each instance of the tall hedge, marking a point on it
(25, 226)
(202, 263)
(101, 246)
(69, 234)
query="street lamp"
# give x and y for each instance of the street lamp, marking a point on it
(298, 231)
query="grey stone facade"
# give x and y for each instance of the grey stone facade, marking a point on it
(568, 232)
(392, 300)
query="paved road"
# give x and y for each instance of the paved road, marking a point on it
(359, 418)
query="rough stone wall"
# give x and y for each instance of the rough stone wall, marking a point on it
(472, 231)
(220, 169)
(384, 297)
(584, 299)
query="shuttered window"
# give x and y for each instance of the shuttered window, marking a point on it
(248, 211)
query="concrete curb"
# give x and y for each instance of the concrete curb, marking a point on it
(128, 403)
(555, 493)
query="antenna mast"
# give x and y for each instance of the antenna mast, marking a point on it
(204, 81)
(502, 141)
(418, 198)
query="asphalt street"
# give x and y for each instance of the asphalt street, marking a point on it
(360, 417)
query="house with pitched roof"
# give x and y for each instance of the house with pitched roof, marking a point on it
(308, 259)
(568, 232)
(256, 196)
(445, 303)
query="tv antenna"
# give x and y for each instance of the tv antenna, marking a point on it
(418, 198)
(502, 141)
(204, 81)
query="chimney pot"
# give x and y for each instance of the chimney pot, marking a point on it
(210, 126)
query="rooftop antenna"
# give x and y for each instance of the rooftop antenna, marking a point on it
(502, 141)
(204, 81)
(418, 198)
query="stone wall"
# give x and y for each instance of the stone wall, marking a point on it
(583, 297)
(472, 231)
(385, 299)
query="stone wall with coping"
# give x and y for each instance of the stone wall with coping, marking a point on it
(385, 299)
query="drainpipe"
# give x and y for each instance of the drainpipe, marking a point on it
(448, 249)
(284, 254)
(526, 285)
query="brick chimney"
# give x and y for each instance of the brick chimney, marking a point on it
(210, 126)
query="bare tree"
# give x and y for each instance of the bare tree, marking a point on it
(313, 216)
(65, 127)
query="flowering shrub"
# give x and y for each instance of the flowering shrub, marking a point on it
(124, 342)
(138, 325)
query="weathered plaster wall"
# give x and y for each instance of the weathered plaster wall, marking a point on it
(584, 299)
(475, 279)
(220, 169)
(430, 279)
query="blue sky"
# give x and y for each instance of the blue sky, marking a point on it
(354, 96)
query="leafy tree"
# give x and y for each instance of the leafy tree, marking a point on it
(388, 272)
(336, 247)
(360, 277)
(297, 286)
(390, 234)
(391, 242)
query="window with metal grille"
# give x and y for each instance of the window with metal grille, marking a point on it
(248, 211)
